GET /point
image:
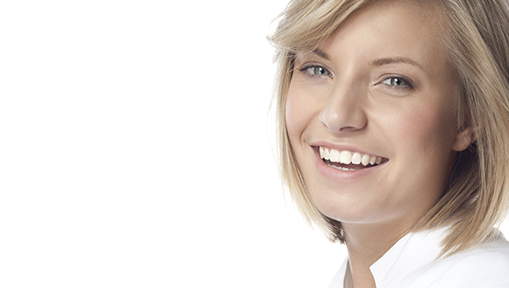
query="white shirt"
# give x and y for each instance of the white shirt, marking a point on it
(411, 263)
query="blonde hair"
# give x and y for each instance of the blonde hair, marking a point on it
(475, 34)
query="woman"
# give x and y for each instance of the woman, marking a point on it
(393, 129)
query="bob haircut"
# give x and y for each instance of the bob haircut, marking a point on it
(475, 35)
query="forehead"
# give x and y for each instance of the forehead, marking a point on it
(392, 27)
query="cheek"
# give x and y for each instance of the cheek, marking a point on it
(430, 129)
(297, 112)
(425, 136)
(291, 112)
(419, 127)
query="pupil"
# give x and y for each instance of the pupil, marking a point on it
(397, 82)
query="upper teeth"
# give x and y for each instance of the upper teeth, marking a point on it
(347, 157)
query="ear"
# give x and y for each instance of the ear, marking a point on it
(464, 137)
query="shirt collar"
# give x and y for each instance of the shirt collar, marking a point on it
(409, 251)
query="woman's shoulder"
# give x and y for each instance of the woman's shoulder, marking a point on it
(484, 266)
(494, 253)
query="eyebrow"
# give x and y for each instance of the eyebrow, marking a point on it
(322, 54)
(395, 60)
(376, 62)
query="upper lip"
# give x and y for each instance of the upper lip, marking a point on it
(343, 147)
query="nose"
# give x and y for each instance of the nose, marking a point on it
(345, 110)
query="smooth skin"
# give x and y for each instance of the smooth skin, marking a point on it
(380, 84)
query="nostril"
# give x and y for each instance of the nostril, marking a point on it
(343, 118)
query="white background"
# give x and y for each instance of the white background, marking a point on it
(136, 149)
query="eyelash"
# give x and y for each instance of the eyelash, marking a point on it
(304, 69)
(409, 84)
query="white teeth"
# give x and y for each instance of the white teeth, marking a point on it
(347, 157)
(326, 153)
(343, 168)
(334, 155)
(356, 158)
(365, 159)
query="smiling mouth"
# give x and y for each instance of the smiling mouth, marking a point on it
(349, 161)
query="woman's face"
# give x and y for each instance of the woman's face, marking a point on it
(379, 90)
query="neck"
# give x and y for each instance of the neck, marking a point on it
(366, 243)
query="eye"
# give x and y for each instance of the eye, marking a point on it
(397, 83)
(316, 71)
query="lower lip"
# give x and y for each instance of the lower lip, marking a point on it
(342, 175)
